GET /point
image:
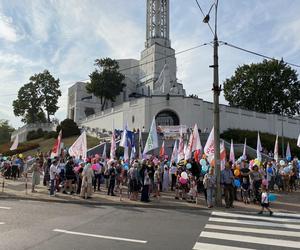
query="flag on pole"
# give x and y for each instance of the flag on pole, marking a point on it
(298, 142)
(231, 154)
(57, 146)
(124, 137)
(222, 154)
(162, 150)
(276, 153)
(174, 156)
(140, 144)
(244, 156)
(104, 156)
(288, 153)
(132, 154)
(15, 143)
(194, 144)
(113, 145)
(188, 147)
(79, 147)
(152, 140)
(181, 146)
(258, 148)
(126, 154)
(209, 148)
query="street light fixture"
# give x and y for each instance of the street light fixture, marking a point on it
(216, 89)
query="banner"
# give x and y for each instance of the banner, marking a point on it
(172, 132)
(79, 147)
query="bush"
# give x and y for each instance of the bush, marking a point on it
(51, 134)
(23, 147)
(68, 127)
(267, 140)
(35, 134)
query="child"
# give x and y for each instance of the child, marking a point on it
(245, 188)
(265, 201)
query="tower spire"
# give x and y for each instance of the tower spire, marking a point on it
(158, 19)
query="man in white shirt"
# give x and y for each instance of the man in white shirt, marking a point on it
(53, 172)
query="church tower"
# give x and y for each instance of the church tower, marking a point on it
(158, 62)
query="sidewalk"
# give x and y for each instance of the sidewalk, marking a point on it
(286, 202)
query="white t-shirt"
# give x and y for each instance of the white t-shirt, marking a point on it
(53, 170)
(264, 198)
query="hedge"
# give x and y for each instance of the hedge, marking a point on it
(267, 140)
(23, 147)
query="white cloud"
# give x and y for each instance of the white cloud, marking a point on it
(8, 31)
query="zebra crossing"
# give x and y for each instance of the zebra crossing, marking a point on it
(238, 231)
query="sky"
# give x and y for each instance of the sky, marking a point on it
(66, 37)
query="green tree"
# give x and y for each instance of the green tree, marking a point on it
(39, 95)
(106, 82)
(68, 127)
(270, 87)
(49, 91)
(29, 104)
(5, 131)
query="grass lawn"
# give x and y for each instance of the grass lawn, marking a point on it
(47, 144)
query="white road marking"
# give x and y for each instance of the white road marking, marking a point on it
(233, 215)
(251, 239)
(101, 236)
(207, 246)
(254, 230)
(2, 223)
(255, 223)
(6, 208)
(287, 215)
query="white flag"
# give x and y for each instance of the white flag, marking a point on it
(298, 142)
(79, 147)
(288, 154)
(126, 154)
(258, 148)
(188, 147)
(276, 154)
(174, 156)
(104, 156)
(15, 143)
(113, 145)
(194, 143)
(123, 142)
(152, 140)
(132, 154)
(231, 154)
(181, 146)
(222, 154)
(209, 149)
(245, 150)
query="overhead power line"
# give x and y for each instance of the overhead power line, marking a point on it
(257, 54)
(204, 16)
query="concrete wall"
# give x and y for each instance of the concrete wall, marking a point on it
(139, 112)
(23, 131)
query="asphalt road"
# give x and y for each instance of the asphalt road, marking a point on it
(47, 225)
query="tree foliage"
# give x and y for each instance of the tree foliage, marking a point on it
(38, 96)
(68, 127)
(5, 131)
(270, 87)
(106, 82)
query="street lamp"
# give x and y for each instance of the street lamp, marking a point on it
(216, 89)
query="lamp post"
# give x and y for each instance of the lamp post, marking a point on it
(216, 89)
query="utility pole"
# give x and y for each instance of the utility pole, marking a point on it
(216, 89)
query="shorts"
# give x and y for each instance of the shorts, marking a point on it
(266, 205)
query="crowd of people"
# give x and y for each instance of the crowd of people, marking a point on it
(146, 179)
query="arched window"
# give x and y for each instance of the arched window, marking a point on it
(167, 118)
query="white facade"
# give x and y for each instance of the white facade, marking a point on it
(138, 113)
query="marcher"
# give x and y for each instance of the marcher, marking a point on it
(265, 201)
(87, 181)
(227, 179)
(209, 182)
(36, 172)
